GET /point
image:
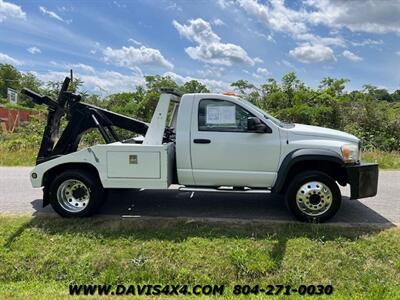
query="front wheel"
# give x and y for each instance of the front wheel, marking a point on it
(313, 196)
(76, 193)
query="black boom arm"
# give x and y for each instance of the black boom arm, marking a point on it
(81, 117)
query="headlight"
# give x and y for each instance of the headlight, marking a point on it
(351, 153)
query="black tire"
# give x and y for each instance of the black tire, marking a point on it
(297, 185)
(89, 187)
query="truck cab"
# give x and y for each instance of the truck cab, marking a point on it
(216, 138)
(202, 142)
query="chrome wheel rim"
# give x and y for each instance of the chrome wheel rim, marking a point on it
(314, 198)
(73, 195)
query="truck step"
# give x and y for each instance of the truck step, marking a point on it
(225, 190)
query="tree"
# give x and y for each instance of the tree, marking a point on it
(376, 93)
(333, 86)
(29, 81)
(52, 88)
(290, 84)
(156, 82)
(243, 86)
(194, 86)
(247, 91)
(9, 78)
(94, 100)
(396, 96)
(121, 103)
(147, 99)
(271, 86)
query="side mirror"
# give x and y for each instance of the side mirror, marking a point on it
(254, 124)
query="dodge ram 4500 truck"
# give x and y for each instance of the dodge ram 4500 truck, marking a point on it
(212, 142)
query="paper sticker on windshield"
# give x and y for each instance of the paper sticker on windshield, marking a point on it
(221, 114)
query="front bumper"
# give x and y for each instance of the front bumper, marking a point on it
(363, 179)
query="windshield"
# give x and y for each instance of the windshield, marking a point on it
(266, 115)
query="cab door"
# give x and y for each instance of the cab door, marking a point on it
(225, 152)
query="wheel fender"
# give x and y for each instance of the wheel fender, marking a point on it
(51, 172)
(301, 155)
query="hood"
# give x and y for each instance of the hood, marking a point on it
(316, 131)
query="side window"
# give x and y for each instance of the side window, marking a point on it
(221, 115)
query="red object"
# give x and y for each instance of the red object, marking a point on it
(13, 117)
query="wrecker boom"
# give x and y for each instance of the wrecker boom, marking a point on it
(81, 117)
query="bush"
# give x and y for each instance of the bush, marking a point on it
(27, 136)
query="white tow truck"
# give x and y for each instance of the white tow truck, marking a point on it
(213, 142)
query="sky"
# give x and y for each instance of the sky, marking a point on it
(112, 45)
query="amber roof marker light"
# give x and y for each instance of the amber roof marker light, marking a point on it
(229, 94)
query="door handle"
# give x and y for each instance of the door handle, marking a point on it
(201, 141)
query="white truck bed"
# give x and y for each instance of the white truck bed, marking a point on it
(122, 165)
(140, 166)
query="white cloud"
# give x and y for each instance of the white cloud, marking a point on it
(326, 41)
(219, 54)
(119, 5)
(367, 42)
(217, 86)
(174, 6)
(198, 31)
(218, 22)
(66, 8)
(263, 71)
(210, 49)
(276, 16)
(268, 37)
(351, 56)
(34, 50)
(96, 48)
(309, 53)
(105, 82)
(211, 71)
(260, 73)
(111, 82)
(10, 10)
(6, 59)
(258, 60)
(131, 57)
(82, 67)
(288, 64)
(52, 14)
(373, 16)
(398, 52)
(225, 3)
(135, 42)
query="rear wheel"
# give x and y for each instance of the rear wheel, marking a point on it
(313, 196)
(76, 193)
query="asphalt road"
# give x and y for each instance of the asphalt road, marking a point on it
(17, 196)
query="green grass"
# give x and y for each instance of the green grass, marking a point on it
(21, 157)
(40, 257)
(386, 160)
